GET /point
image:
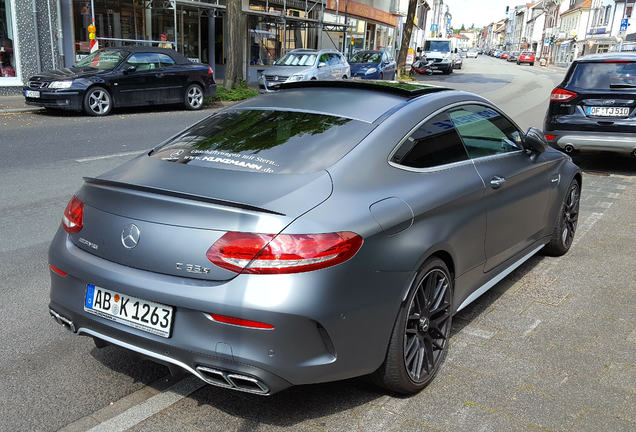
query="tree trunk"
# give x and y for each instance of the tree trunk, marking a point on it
(406, 35)
(236, 30)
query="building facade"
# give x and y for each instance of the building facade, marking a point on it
(38, 35)
(29, 41)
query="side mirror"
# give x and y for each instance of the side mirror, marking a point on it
(322, 64)
(534, 141)
(130, 68)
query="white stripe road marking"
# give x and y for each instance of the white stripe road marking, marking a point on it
(94, 158)
(151, 406)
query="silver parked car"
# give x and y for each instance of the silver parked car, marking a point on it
(326, 231)
(305, 65)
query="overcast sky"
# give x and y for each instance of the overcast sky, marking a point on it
(478, 12)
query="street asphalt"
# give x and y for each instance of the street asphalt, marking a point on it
(552, 346)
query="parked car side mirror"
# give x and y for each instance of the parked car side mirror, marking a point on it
(534, 141)
(322, 64)
(130, 68)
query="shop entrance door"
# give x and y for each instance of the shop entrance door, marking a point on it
(370, 37)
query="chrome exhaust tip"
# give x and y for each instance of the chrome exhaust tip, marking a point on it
(232, 380)
(569, 148)
(64, 322)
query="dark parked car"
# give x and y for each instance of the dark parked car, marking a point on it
(122, 77)
(373, 65)
(594, 108)
(321, 232)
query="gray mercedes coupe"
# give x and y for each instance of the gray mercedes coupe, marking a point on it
(322, 232)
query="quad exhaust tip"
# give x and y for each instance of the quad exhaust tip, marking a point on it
(212, 376)
(232, 380)
(64, 322)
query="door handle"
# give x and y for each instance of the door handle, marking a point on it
(160, 75)
(496, 182)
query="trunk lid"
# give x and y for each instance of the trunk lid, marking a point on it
(179, 211)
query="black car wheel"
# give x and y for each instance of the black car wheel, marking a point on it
(97, 102)
(565, 226)
(194, 97)
(420, 337)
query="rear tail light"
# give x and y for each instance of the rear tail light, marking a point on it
(241, 322)
(210, 72)
(550, 137)
(283, 253)
(57, 270)
(562, 95)
(73, 219)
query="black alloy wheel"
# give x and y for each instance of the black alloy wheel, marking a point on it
(420, 338)
(565, 227)
(97, 101)
(194, 97)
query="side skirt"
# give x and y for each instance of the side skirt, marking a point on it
(492, 282)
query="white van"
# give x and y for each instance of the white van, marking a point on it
(440, 52)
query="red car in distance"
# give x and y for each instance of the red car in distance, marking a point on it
(526, 57)
(505, 55)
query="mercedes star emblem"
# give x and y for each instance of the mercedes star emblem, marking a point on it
(130, 236)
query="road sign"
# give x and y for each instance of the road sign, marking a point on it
(624, 24)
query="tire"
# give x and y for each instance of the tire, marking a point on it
(532, 64)
(193, 97)
(518, 63)
(565, 225)
(344, 77)
(381, 76)
(416, 340)
(97, 102)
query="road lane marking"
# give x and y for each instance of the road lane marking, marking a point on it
(94, 158)
(138, 413)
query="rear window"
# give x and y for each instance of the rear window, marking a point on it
(274, 142)
(603, 76)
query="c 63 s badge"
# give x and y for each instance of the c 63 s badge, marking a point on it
(193, 268)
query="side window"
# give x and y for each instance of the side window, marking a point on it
(324, 58)
(165, 60)
(334, 59)
(434, 143)
(144, 61)
(484, 131)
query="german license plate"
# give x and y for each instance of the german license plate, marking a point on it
(32, 93)
(607, 111)
(151, 317)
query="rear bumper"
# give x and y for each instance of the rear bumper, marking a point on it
(70, 100)
(329, 325)
(624, 143)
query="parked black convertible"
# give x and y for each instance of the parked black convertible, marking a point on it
(125, 76)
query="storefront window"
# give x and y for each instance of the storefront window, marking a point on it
(7, 41)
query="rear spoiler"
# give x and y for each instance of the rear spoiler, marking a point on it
(176, 194)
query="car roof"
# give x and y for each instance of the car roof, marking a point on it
(177, 57)
(629, 56)
(366, 101)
